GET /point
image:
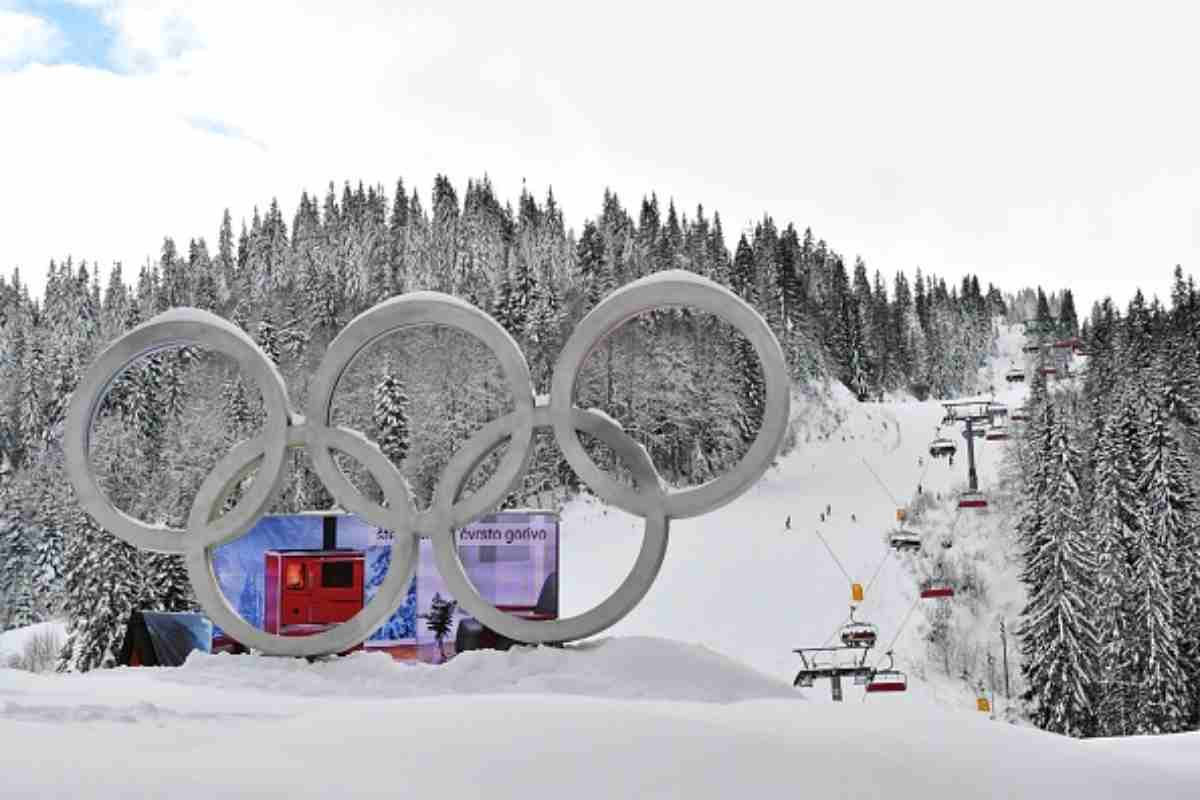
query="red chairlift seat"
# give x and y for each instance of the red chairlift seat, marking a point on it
(972, 500)
(1019, 415)
(933, 588)
(888, 680)
(1048, 372)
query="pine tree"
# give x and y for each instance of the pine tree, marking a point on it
(1058, 636)
(391, 418)
(1163, 655)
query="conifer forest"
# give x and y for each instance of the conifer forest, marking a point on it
(1107, 516)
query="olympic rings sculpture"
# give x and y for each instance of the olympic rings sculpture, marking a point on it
(207, 528)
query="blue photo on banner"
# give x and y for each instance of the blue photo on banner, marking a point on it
(238, 565)
(376, 545)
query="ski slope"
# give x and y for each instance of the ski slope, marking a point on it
(739, 582)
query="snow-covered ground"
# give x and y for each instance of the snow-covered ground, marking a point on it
(690, 696)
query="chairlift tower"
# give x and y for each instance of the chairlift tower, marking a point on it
(971, 413)
(816, 665)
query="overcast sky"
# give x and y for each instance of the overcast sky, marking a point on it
(1052, 143)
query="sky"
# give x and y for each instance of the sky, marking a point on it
(1028, 143)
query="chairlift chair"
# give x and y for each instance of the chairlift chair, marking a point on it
(941, 446)
(901, 540)
(934, 588)
(858, 634)
(971, 499)
(997, 433)
(1048, 372)
(888, 680)
(1019, 415)
(1015, 375)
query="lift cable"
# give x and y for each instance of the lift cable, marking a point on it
(833, 555)
(887, 552)
(875, 475)
(903, 623)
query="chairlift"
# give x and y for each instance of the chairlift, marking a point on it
(949, 419)
(971, 499)
(1031, 348)
(1015, 375)
(859, 634)
(901, 540)
(941, 446)
(888, 680)
(1020, 414)
(997, 433)
(934, 588)
(1048, 371)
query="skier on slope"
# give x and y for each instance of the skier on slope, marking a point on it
(787, 523)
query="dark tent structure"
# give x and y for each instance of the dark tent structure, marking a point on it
(162, 639)
(474, 635)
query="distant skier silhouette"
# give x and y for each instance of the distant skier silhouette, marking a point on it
(787, 523)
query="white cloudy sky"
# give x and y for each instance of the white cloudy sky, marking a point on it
(1052, 143)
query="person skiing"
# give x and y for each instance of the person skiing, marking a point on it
(853, 518)
(787, 523)
(828, 509)
(822, 518)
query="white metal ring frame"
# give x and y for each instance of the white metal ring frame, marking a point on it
(207, 528)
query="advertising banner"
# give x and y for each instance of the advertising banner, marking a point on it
(300, 573)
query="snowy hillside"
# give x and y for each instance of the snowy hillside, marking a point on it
(689, 697)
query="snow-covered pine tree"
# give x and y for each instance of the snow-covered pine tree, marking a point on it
(1058, 638)
(1114, 518)
(391, 418)
(1158, 671)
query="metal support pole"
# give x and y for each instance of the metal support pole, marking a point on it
(835, 684)
(1004, 646)
(971, 477)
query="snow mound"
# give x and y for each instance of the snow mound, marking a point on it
(13, 642)
(631, 668)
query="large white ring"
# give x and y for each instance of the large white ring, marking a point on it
(615, 606)
(216, 488)
(673, 288)
(179, 326)
(423, 308)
